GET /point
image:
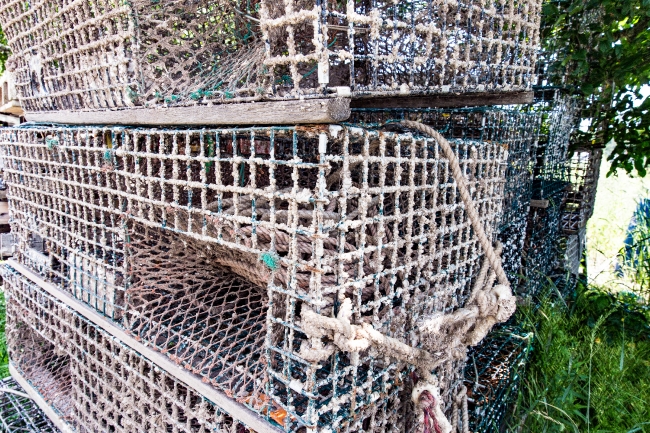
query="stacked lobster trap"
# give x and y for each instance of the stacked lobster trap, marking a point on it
(262, 275)
(107, 55)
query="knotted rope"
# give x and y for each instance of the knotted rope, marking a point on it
(446, 335)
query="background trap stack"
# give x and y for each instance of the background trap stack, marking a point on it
(169, 247)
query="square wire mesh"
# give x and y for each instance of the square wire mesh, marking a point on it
(20, 414)
(95, 382)
(513, 238)
(518, 132)
(300, 216)
(101, 55)
(583, 170)
(493, 376)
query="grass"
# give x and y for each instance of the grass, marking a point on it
(590, 368)
(4, 355)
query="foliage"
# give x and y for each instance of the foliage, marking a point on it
(590, 366)
(634, 257)
(599, 49)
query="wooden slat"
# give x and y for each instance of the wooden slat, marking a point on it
(446, 100)
(251, 113)
(543, 204)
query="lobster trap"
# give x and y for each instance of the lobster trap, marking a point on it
(270, 221)
(19, 413)
(583, 171)
(493, 376)
(572, 249)
(91, 379)
(540, 252)
(107, 55)
(560, 113)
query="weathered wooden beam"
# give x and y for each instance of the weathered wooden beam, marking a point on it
(446, 100)
(543, 204)
(251, 113)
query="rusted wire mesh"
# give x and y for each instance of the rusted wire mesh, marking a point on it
(493, 376)
(19, 414)
(217, 325)
(311, 214)
(101, 55)
(583, 171)
(101, 384)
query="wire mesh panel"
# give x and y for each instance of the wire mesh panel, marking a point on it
(20, 414)
(513, 238)
(540, 253)
(101, 55)
(583, 171)
(37, 348)
(518, 132)
(311, 214)
(493, 377)
(103, 385)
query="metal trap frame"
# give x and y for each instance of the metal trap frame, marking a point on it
(19, 413)
(583, 172)
(100, 383)
(307, 213)
(107, 55)
(493, 375)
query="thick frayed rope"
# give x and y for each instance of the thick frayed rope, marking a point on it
(449, 334)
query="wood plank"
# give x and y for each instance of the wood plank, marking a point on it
(445, 100)
(9, 119)
(39, 400)
(251, 113)
(220, 399)
(543, 204)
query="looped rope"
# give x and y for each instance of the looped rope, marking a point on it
(447, 334)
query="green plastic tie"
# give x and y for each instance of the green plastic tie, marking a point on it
(270, 260)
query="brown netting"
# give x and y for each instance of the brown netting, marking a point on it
(217, 325)
(37, 345)
(82, 55)
(103, 385)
